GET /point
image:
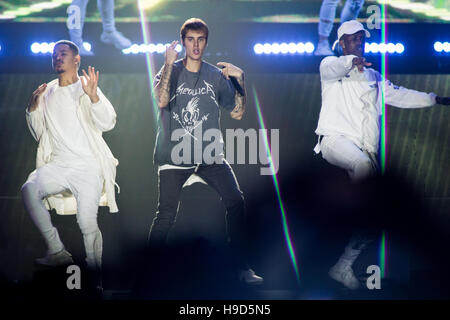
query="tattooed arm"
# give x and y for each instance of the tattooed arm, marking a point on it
(162, 88)
(239, 99)
(228, 71)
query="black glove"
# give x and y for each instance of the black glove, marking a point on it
(443, 100)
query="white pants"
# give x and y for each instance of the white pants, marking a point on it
(86, 183)
(343, 153)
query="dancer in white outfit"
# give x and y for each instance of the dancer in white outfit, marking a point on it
(75, 168)
(349, 127)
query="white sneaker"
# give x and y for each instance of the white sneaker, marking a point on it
(344, 274)
(249, 277)
(61, 258)
(117, 39)
(323, 49)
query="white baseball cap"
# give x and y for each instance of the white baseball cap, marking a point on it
(349, 27)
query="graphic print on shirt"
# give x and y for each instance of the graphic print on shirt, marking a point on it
(190, 117)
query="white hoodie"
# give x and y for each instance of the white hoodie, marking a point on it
(352, 101)
(94, 119)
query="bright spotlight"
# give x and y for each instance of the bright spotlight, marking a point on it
(446, 46)
(300, 47)
(36, 47)
(276, 49)
(267, 48)
(258, 48)
(134, 48)
(438, 46)
(309, 47)
(399, 48)
(160, 48)
(292, 48)
(391, 48)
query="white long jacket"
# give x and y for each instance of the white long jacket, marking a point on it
(352, 101)
(94, 119)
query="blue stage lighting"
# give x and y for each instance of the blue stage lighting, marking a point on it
(399, 48)
(300, 47)
(258, 48)
(160, 48)
(276, 48)
(267, 48)
(446, 46)
(389, 48)
(292, 48)
(309, 47)
(438, 46)
(283, 48)
(35, 47)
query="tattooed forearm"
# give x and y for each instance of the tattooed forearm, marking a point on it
(163, 87)
(239, 100)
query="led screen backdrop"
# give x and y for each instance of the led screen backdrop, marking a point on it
(281, 11)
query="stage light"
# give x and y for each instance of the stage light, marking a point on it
(292, 48)
(36, 47)
(309, 47)
(178, 48)
(258, 48)
(152, 47)
(300, 47)
(134, 48)
(374, 47)
(283, 48)
(390, 48)
(399, 48)
(160, 48)
(276, 49)
(143, 48)
(438, 46)
(446, 46)
(45, 48)
(384, 48)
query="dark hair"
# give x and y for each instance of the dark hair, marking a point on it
(71, 45)
(194, 24)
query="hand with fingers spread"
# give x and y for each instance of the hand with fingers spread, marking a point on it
(171, 54)
(230, 70)
(360, 63)
(34, 100)
(89, 84)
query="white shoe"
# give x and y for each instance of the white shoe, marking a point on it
(323, 49)
(249, 277)
(76, 38)
(343, 273)
(117, 39)
(61, 258)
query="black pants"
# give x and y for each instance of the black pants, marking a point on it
(222, 179)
